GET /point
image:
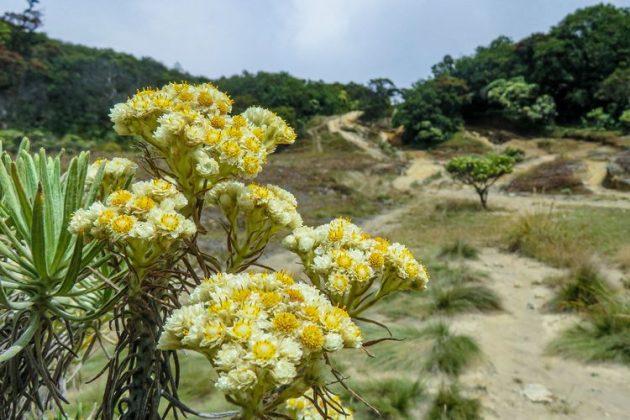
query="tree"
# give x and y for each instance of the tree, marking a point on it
(431, 110)
(377, 101)
(519, 101)
(480, 172)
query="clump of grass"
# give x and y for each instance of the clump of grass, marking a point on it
(449, 404)
(604, 337)
(456, 205)
(548, 238)
(458, 298)
(459, 249)
(393, 398)
(582, 289)
(449, 354)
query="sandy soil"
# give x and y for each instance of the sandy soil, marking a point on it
(513, 344)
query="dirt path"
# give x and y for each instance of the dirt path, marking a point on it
(513, 344)
(340, 124)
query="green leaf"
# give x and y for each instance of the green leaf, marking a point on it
(74, 268)
(21, 342)
(38, 235)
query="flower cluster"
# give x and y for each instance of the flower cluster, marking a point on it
(117, 172)
(191, 126)
(144, 221)
(302, 408)
(345, 263)
(260, 331)
(269, 206)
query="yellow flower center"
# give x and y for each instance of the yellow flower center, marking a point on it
(259, 133)
(335, 233)
(234, 132)
(169, 221)
(362, 271)
(285, 322)
(334, 318)
(343, 260)
(251, 165)
(269, 299)
(339, 283)
(185, 96)
(161, 185)
(241, 295)
(123, 224)
(223, 107)
(312, 337)
(106, 216)
(376, 259)
(217, 121)
(242, 330)
(120, 198)
(212, 137)
(264, 350)
(239, 121)
(295, 295)
(205, 99)
(252, 144)
(311, 312)
(231, 149)
(213, 330)
(144, 203)
(412, 269)
(284, 278)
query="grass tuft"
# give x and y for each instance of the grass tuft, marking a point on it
(449, 404)
(393, 398)
(548, 238)
(605, 337)
(459, 249)
(449, 354)
(459, 298)
(582, 289)
(557, 176)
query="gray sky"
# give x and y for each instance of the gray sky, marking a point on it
(333, 40)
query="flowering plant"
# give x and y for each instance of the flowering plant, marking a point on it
(131, 248)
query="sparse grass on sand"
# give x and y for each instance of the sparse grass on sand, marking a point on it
(432, 224)
(452, 289)
(583, 288)
(393, 398)
(459, 249)
(603, 336)
(569, 236)
(461, 143)
(548, 238)
(450, 404)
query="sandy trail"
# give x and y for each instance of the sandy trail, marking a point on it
(513, 343)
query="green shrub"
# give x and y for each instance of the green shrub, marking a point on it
(480, 172)
(519, 101)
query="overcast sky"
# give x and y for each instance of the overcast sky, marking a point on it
(333, 40)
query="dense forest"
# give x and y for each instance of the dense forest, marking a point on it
(577, 74)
